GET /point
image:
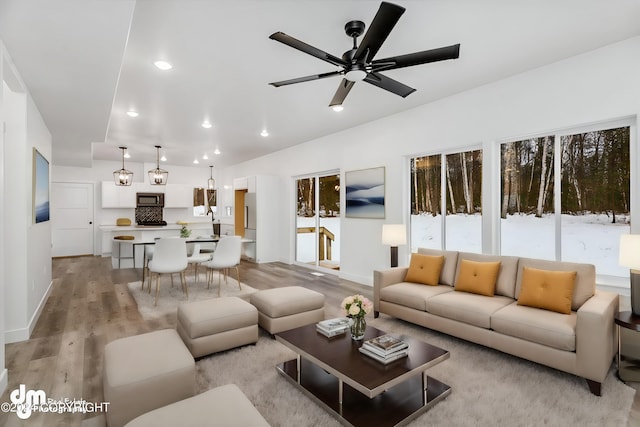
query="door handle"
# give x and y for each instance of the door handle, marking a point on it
(90, 222)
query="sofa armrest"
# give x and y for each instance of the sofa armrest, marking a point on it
(382, 278)
(596, 335)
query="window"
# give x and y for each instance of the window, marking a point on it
(595, 198)
(527, 209)
(461, 197)
(567, 197)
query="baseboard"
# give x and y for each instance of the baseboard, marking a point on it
(3, 380)
(363, 280)
(23, 334)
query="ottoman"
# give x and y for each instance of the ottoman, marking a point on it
(286, 308)
(217, 324)
(221, 406)
(145, 372)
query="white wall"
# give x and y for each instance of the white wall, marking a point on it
(597, 86)
(26, 246)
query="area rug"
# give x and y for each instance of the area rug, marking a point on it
(489, 388)
(170, 297)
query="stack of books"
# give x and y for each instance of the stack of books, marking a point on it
(333, 327)
(385, 348)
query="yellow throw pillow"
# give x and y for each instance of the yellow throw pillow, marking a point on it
(477, 277)
(549, 290)
(424, 269)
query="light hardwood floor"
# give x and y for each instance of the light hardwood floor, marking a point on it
(90, 305)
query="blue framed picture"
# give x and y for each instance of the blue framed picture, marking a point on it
(40, 187)
(365, 193)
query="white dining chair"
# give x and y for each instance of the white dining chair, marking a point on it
(196, 258)
(169, 257)
(226, 256)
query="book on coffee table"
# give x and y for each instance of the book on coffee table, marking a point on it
(386, 344)
(391, 357)
(333, 327)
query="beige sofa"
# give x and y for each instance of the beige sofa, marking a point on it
(582, 343)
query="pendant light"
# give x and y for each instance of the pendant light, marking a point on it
(211, 183)
(123, 176)
(158, 176)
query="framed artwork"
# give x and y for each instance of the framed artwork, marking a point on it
(40, 187)
(365, 193)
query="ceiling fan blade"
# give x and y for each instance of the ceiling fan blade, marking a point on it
(306, 79)
(386, 18)
(303, 47)
(342, 92)
(389, 84)
(417, 58)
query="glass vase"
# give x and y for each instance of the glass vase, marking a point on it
(358, 328)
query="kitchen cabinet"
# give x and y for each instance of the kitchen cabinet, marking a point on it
(254, 219)
(178, 196)
(175, 195)
(114, 196)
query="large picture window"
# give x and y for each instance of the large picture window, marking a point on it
(527, 207)
(573, 207)
(458, 188)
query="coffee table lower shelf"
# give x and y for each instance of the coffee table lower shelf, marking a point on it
(396, 406)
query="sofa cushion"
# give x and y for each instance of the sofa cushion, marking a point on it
(448, 272)
(549, 290)
(540, 326)
(506, 282)
(585, 283)
(477, 277)
(424, 269)
(465, 307)
(411, 295)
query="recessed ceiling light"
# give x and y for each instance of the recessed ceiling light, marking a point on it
(195, 161)
(337, 108)
(163, 158)
(264, 133)
(205, 157)
(163, 65)
(126, 154)
(217, 151)
(132, 113)
(206, 124)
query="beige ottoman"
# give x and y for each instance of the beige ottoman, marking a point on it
(286, 308)
(217, 324)
(145, 372)
(222, 406)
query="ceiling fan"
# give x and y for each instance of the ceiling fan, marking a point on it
(358, 64)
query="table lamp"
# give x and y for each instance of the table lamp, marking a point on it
(394, 235)
(630, 257)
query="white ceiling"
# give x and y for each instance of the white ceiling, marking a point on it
(86, 62)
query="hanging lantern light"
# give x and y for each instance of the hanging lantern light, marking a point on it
(211, 183)
(158, 176)
(123, 177)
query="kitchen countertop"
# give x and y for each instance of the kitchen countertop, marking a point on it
(191, 225)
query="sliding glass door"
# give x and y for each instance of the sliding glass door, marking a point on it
(318, 221)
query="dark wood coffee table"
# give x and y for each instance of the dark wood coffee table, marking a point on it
(357, 389)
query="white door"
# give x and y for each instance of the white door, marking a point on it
(72, 218)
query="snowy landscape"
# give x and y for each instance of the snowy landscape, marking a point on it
(585, 238)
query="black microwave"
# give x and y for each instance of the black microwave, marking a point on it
(149, 199)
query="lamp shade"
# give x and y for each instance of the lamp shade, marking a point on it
(394, 234)
(629, 255)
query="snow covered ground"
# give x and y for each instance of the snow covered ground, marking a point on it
(588, 238)
(585, 238)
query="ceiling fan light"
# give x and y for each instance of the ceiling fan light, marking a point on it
(337, 108)
(355, 75)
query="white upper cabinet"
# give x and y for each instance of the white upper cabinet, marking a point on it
(178, 196)
(114, 196)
